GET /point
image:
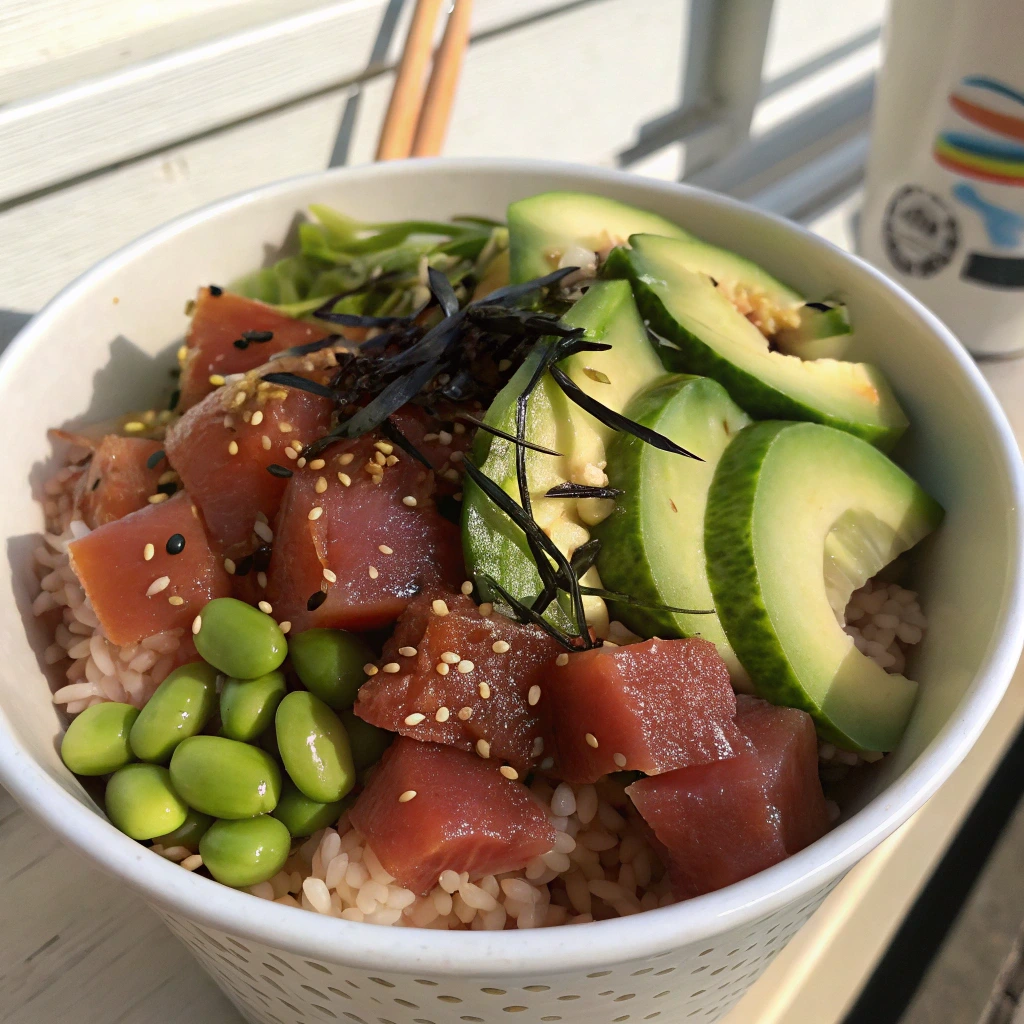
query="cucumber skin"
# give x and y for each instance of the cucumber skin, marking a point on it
(750, 393)
(733, 576)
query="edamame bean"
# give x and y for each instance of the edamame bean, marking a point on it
(247, 706)
(241, 853)
(366, 741)
(314, 747)
(225, 778)
(188, 833)
(330, 664)
(142, 803)
(96, 742)
(302, 816)
(180, 707)
(238, 639)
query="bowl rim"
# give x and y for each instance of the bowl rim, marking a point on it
(548, 950)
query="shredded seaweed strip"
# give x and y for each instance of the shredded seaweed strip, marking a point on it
(155, 459)
(282, 471)
(442, 290)
(524, 613)
(310, 346)
(257, 336)
(511, 292)
(611, 595)
(821, 307)
(585, 556)
(614, 419)
(293, 380)
(390, 430)
(571, 490)
(505, 436)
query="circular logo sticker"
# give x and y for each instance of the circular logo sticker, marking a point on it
(921, 234)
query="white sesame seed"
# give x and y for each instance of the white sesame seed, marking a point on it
(296, 445)
(155, 499)
(372, 572)
(261, 579)
(345, 479)
(538, 747)
(175, 600)
(148, 552)
(486, 609)
(197, 624)
(457, 496)
(391, 460)
(265, 607)
(409, 794)
(379, 458)
(264, 532)
(450, 657)
(444, 437)
(229, 566)
(500, 647)
(484, 691)
(509, 772)
(562, 660)
(415, 718)
(383, 446)
(438, 607)
(392, 667)
(217, 380)
(620, 760)
(286, 626)
(408, 652)
(591, 740)
(409, 500)
(465, 714)
(300, 462)
(330, 575)
(483, 748)
(548, 763)
(315, 513)
(285, 428)
(288, 451)
(345, 459)
(160, 583)
(459, 428)
(441, 668)
(239, 399)
(429, 437)
(533, 696)
(384, 549)
(451, 474)
(467, 588)
(504, 364)
(465, 666)
(442, 715)
(257, 418)
(456, 456)
(317, 464)
(321, 484)
(232, 448)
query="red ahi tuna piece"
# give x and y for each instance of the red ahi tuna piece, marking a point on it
(494, 685)
(428, 808)
(218, 321)
(112, 566)
(219, 451)
(646, 707)
(118, 479)
(369, 546)
(725, 821)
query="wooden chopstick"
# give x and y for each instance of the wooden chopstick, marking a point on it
(399, 128)
(444, 80)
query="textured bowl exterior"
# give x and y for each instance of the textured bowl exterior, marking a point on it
(117, 328)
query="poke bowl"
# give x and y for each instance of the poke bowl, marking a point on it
(447, 648)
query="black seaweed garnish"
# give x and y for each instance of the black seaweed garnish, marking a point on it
(390, 430)
(293, 380)
(95, 484)
(821, 307)
(173, 401)
(524, 613)
(155, 459)
(315, 600)
(498, 432)
(216, 291)
(244, 566)
(636, 602)
(585, 556)
(571, 490)
(240, 343)
(261, 558)
(257, 336)
(282, 471)
(441, 289)
(175, 544)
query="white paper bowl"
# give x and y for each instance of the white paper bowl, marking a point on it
(91, 352)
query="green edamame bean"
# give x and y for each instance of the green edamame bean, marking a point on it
(314, 747)
(225, 778)
(330, 664)
(302, 816)
(96, 741)
(188, 833)
(247, 706)
(238, 639)
(245, 852)
(142, 803)
(367, 742)
(180, 707)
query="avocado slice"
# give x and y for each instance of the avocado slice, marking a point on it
(824, 332)
(799, 515)
(652, 544)
(704, 333)
(543, 227)
(491, 542)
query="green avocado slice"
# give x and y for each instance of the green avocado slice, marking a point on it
(798, 515)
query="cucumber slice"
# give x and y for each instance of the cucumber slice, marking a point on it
(703, 333)
(652, 544)
(491, 542)
(542, 228)
(790, 504)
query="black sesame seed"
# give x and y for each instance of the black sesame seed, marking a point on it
(257, 335)
(155, 459)
(175, 395)
(216, 291)
(168, 488)
(282, 471)
(240, 343)
(243, 566)
(315, 600)
(261, 558)
(175, 544)
(95, 484)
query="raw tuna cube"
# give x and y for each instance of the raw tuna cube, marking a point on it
(725, 821)
(493, 687)
(221, 451)
(128, 592)
(646, 707)
(118, 479)
(464, 815)
(218, 321)
(369, 540)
